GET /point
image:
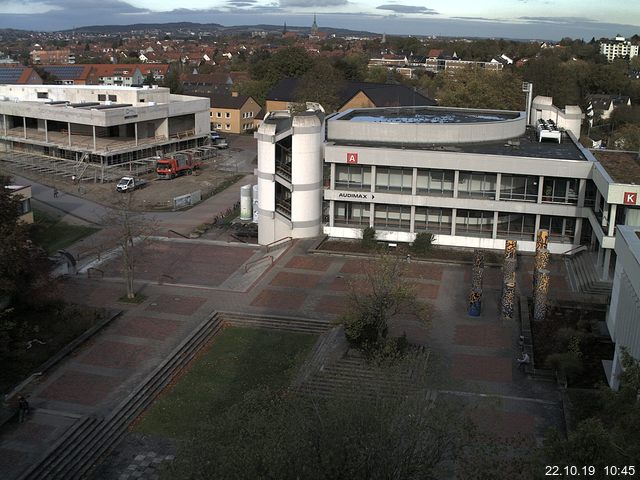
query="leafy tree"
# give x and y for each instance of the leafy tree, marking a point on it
(377, 75)
(477, 88)
(352, 435)
(423, 243)
(369, 237)
(257, 89)
(287, 62)
(626, 137)
(323, 84)
(353, 67)
(172, 79)
(373, 302)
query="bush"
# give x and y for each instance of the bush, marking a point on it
(423, 243)
(369, 237)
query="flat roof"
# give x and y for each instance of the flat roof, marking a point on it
(437, 115)
(526, 145)
(622, 167)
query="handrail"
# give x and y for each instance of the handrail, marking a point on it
(177, 233)
(255, 262)
(282, 240)
(577, 249)
(94, 269)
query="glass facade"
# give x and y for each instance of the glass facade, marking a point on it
(396, 180)
(516, 226)
(477, 185)
(349, 214)
(435, 182)
(519, 187)
(474, 223)
(433, 220)
(353, 177)
(561, 229)
(392, 217)
(560, 190)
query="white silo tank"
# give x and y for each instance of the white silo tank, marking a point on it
(254, 201)
(245, 203)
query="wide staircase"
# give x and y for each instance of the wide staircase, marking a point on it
(276, 322)
(91, 437)
(583, 276)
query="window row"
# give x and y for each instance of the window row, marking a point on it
(470, 184)
(468, 223)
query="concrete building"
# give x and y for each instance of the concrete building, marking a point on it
(99, 125)
(233, 113)
(61, 56)
(618, 48)
(473, 178)
(623, 318)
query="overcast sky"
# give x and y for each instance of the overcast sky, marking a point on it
(546, 19)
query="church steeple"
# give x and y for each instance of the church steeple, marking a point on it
(284, 30)
(314, 26)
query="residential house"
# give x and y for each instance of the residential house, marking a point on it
(62, 56)
(233, 113)
(619, 48)
(604, 105)
(19, 75)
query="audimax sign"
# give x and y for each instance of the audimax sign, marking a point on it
(363, 196)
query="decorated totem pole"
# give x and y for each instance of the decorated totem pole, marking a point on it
(475, 295)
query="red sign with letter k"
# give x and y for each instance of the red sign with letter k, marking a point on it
(630, 198)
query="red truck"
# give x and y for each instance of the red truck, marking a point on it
(180, 164)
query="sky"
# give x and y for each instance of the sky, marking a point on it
(524, 19)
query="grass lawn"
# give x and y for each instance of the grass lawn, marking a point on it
(239, 360)
(53, 234)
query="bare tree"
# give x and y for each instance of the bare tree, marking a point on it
(130, 230)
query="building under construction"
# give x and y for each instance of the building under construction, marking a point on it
(95, 132)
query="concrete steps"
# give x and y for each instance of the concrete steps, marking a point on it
(90, 438)
(583, 276)
(277, 322)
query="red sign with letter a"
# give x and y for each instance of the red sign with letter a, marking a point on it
(352, 158)
(630, 198)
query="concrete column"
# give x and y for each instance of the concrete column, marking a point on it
(456, 179)
(540, 189)
(596, 206)
(582, 191)
(494, 233)
(414, 182)
(606, 264)
(94, 137)
(372, 214)
(616, 370)
(454, 213)
(612, 219)
(578, 233)
(605, 214)
(537, 226)
(46, 131)
(498, 184)
(332, 184)
(600, 256)
(24, 126)
(69, 132)
(135, 130)
(373, 179)
(332, 208)
(4, 122)
(412, 225)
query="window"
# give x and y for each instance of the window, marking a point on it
(113, 98)
(218, 114)
(102, 97)
(519, 187)
(25, 206)
(392, 217)
(435, 182)
(561, 229)
(394, 179)
(590, 194)
(477, 185)
(351, 214)
(474, 223)
(516, 226)
(227, 115)
(227, 126)
(560, 190)
(353, 177)
(43, 94)
(433, 220)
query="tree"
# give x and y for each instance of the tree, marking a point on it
(352, 435)
(382, 295)
(290, 62)
(626, 137)
(172, 79)
(423, 243)
(323, 84)
(127, 229)
(478, 88)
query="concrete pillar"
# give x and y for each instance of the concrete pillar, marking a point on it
(94, 137)
(582, 191)
(24, 126)
(540, 295)
(494, 233)
(332, 208)
(453, 221)
(578, 233)
(69, 132)
(135, 132)
(540, 189)
(456, 179)
(536, 226)
(616, 370)
(412, 225)
(498, 186)
(332, 180)
(414, 181)
(373, 178)
(612, 219)
(606, 264)
(372, 214)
